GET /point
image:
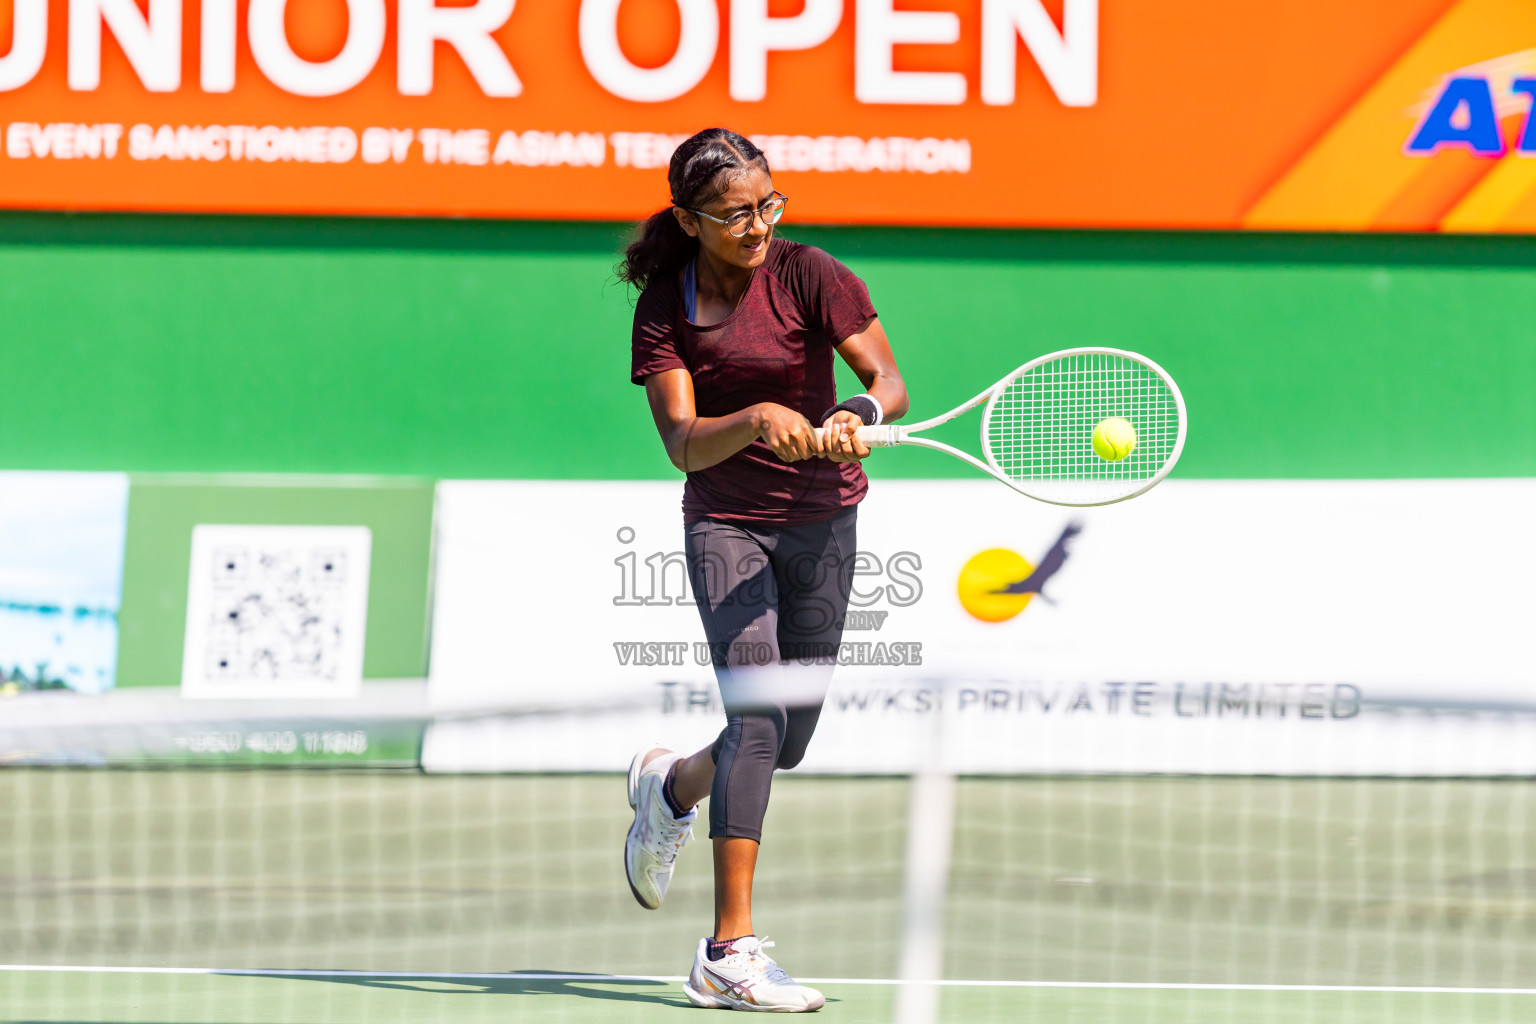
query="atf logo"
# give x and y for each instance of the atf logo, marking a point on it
(996, 584)
(1466, 114)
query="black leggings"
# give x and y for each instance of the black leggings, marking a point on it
(772, 598)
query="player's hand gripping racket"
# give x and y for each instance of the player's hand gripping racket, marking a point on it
(1038, 427)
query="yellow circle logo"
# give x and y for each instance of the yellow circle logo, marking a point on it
(988, 573)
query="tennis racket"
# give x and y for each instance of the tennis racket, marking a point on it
(1038, 424)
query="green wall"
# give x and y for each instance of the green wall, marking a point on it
(479, 349)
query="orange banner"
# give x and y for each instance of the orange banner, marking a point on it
(1296, 114)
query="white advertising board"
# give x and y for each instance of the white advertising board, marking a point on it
(1209, 626)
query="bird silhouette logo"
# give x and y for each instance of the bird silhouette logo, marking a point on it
(997, 584)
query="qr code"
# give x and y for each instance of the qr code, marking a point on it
(276, 611)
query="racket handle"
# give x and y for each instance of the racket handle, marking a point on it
(884, 436)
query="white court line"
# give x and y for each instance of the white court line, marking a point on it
(958, 983)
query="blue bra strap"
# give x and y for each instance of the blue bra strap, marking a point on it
(691, 291)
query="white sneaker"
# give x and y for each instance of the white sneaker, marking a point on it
(656, 836)
(746, 978)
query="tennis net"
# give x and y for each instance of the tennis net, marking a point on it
(289, 887)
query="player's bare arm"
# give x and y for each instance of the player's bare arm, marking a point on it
(868, 354)
(696, 442)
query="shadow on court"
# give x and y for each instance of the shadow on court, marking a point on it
(632, 990)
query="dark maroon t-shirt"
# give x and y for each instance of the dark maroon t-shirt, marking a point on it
(776, 347)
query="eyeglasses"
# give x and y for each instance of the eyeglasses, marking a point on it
(739, 222)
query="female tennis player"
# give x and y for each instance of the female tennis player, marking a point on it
(733, 340)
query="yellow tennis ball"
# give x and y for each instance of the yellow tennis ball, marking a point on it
(987, 573)
(1113, 439)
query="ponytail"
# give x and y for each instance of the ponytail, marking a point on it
(661, 248)
(701, 169)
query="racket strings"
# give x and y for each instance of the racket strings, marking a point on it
(1040, 426)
